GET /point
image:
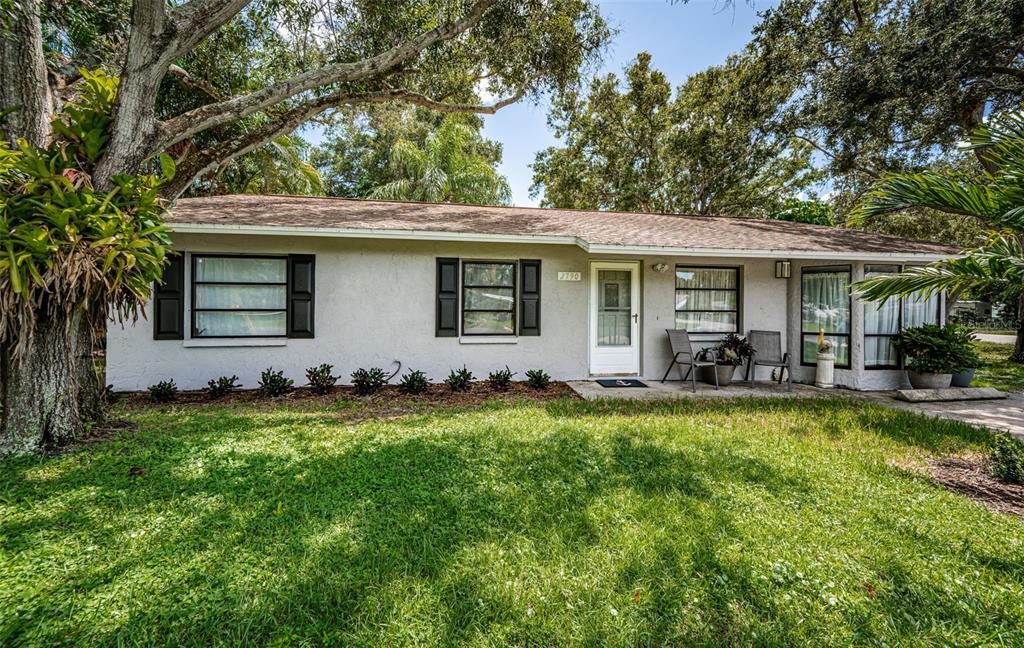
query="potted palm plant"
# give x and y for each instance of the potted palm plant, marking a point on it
(970, 360)
(731, 352)
(933, 354)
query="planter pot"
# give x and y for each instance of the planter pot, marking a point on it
(929, 380)
(964, 378)
(725, 373)
(824, 375)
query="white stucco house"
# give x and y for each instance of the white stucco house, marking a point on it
(292, 282)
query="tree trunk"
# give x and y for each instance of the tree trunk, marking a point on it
(40, 399)
(1018, 347)
(24, 87)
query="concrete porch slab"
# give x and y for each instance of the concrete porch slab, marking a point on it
(590, 390)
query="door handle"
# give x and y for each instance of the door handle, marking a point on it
(636, 317)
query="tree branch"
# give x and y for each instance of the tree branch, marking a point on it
(197, 19)
(1011, 71)
(287, 121)
(192, 82)
(195, 121)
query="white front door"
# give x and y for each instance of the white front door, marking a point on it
(614, 318)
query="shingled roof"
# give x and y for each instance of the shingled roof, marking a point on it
(592, 230)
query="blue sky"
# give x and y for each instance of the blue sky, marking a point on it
(682, 39)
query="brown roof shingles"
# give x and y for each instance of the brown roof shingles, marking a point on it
(592, 227)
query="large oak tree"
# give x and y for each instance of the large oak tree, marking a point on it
(263, 67)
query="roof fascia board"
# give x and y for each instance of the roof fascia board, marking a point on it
(430, 235)
(765, 254)
(334, 232)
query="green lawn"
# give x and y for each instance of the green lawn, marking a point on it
(754, 522)
(999, 372)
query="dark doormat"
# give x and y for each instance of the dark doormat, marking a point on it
(620, 382)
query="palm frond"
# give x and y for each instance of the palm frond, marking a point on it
(951, 194)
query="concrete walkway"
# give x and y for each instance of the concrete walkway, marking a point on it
(1000, 415)
(996, 338)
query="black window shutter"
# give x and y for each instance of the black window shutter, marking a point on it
(447, 324)
(529, 297)
(301, 281)
(169, 301)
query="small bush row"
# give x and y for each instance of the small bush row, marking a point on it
(369, 381)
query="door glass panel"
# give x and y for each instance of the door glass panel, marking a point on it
(614, 308)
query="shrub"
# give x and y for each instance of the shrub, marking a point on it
(1006, 459)
(163, 392)
(459, 380)
(320, 378)
(937, 349)
(273, 383)
(414, 382)
(222, 386)
(731, 350)
(538, 379)
(500, 380)
(369, 381)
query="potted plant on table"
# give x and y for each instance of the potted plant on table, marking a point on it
(825, 369)
(933, 354)
(730, 352)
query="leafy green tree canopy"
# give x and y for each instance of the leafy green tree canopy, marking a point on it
(891, 85)
(639, 149)
(447, 168)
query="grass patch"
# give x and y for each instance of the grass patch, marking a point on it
(767, 522)
(998, 371)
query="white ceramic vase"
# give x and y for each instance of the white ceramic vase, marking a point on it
(824, 376)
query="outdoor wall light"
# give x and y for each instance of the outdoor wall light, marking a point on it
(660, 267)
(783, 269)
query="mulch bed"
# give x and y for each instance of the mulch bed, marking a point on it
(968, 476)
(388, 399)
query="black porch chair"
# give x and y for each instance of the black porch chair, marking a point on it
(684, 355)
(768, 353)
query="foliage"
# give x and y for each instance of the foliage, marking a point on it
(891, 85)
(996, 370)
(355, 157)
(731, 350)
(446, 169)
(164, 391)
(459, 380)
(320, 379)
(273, 383)
(222, 386)
(706, 151)
(369, 381)
(996, 198)
(804, 211)
(538, 379)
(282, 166)
(501, 379)
(1006, 459)
(414, 382)
(930, 348)
(64, 244)
(539, 507)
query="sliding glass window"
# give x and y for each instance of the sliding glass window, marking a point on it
(825, 304)
(707, 299)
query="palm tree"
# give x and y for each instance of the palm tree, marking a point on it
(447, 170)
(996, 199)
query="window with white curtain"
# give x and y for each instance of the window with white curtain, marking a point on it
(825, 304)
(883, 320)
(707, 299)
(488, 298)
(239, 296)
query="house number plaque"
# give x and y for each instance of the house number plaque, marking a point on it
(569, 276)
